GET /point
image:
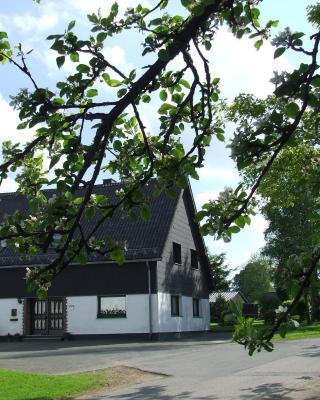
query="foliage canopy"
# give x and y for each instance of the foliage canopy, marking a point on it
(85, 136)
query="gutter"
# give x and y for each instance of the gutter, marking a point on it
(149, 299)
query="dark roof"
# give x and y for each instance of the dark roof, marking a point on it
(145, 240)
(228, 296)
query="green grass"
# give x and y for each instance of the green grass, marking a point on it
(16, 385)
(303, 332)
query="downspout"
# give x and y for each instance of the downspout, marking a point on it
(150, 299)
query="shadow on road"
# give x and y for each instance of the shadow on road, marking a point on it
(156, 392)
(272, 391)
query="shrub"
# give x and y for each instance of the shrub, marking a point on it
(269, 302)
(217, 309)
(229, 318)
(300, 311)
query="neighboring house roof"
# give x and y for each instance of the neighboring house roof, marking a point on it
(145, 240)
(228, 296)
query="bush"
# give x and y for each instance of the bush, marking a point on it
(301, 310)
(217, 309)
(229, 318)
(269, 302)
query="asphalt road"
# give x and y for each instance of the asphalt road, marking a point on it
(203, 369)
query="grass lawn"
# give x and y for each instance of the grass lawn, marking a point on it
(16, 385)
(303, 332)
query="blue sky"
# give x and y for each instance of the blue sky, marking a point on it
(240, 66)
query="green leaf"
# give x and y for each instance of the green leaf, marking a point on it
(5, 45)
(163, 55)
(101, 37)
(234, 229)
(279, 52)
(186, 3)
(83, 68)
(81, 258)
(163, 95)
(220, 137)
(156, 21)
(3, 35)
(114, 83)
(71, 25)
(92, 93)
(106, 77)
(74, 56)
(145, 213)
(118, 256)
(258, 44)
(185, 83)
(207, 45)
(292, 110)
(117, 145)
(146, 98)
(121, 92)
(316, 82)
(276, 118)
(163, 4)
(214, 96)
(60, 61)
(240, 221)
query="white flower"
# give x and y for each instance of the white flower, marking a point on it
(281, 309)
(295, 323)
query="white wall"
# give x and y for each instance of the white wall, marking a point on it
(7, 326)
(185, 322)
(82, 316)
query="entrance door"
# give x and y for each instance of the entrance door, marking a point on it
(47, 316)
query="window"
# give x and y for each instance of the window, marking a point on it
(176, 249)
(196, 307)
(112, 307)
(175, 306)
(194, 259)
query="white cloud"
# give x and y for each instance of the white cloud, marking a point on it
(243, 68)
(92, 6)
(116, 55)
(8, 127)
(203, 197)
(259, 224)
(8, 185)
(239, 65)
(226, 174)
(28, 23)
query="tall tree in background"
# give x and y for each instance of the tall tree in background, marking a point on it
(90, 135)
(219, 272)
(254, 279)
(292, 230)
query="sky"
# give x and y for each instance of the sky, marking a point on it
(239, 65)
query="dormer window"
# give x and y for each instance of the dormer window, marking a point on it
(176, 251)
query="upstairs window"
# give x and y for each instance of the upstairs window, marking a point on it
(175, 306)
(176, 250)
(194, 259)
(196, 307)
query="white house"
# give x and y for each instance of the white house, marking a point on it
(162, 288)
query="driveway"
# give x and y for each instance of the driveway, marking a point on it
(205, 369)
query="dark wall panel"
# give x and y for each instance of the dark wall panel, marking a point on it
(131, 278)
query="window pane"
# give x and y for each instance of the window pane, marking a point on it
(194, 259)
(112, 307)
(175, 305)
(196, 307)
(176, 247)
